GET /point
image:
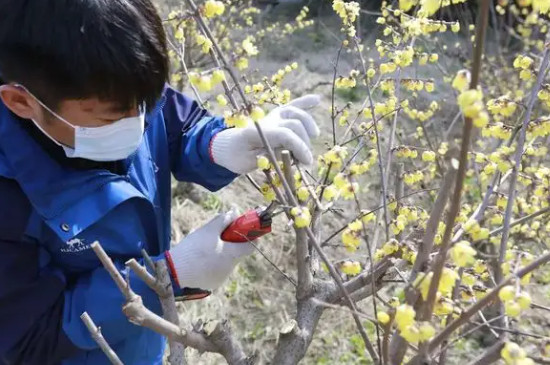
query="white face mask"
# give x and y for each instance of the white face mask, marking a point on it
(112, 142)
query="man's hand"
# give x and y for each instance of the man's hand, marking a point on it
(202, 259)
(287, 127)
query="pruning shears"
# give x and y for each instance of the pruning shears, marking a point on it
(251, 225)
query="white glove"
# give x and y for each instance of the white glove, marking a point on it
(287, 127)
(202, 260)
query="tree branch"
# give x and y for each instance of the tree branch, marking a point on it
(100, 340)
(216, 338)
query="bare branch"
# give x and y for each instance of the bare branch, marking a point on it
(521, 220)
(162, 285)
(218, 338)
(112, 270)
(100, 340)
(169, 309)
(144, 275)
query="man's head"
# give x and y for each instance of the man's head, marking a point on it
(92, 62)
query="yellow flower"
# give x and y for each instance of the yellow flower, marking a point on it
(263, 163)
(249, 47)
(443, 307)
(404, 316)
(236, 120)
(426, 331)
(429, 7)
(345, 82)
(428, 156)
(302, 216)
(204, 42)
(213, 8)
(382, 317)
(512, 353)
(351, 268)
(524, 62)
(349, 190)
(463, 254)
(429, 86)
(447, 281)
(221, 100)
(423, 59)
(468, 279)
(242, 63)
(218, 76)
(179, 35)
(330, 192)
(410, 333)
(351, 239)
(267, 192)
(524, 300)
(481, 120)
(257, 113)
(512, 308)
(479, 267)
(302, 193)
(406, 5)
(461, 82)
(204, 83)
(393, 302)
(507, 293)
(541, 6)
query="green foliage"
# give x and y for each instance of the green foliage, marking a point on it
(212, 202)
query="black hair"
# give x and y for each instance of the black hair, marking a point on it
(75, 49)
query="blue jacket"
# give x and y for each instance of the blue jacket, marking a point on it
(51, 210)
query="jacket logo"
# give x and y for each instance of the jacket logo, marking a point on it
(75, 245)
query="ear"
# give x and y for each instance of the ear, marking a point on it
(19, 102)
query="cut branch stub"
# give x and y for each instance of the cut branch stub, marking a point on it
(289, 327)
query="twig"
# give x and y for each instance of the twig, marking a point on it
(344, 309)
(521, 220)
(162, 285)
(290, 280)
(99, 339)
(148, 260)
(144, 275)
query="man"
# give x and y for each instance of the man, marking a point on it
(89, 138)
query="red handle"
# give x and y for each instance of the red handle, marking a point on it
(246, 228)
